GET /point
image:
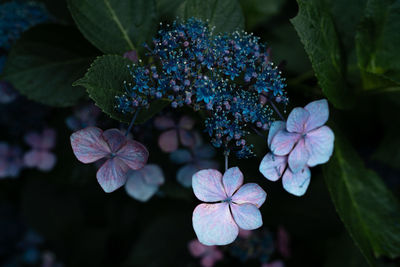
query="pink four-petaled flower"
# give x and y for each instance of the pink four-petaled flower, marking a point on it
(122, 154)
(302, 142)
(40, 155)
(234, 206)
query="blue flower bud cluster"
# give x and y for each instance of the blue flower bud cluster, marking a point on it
(227, 75)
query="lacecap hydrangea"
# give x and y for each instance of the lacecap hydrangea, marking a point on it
(229, 76)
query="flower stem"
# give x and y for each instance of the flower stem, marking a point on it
(132, 122)
(276, 110)
(226, 153)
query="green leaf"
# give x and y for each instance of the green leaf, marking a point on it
(317, 32)
(45, 62)
(105, 80)
(167, 8)
(224, 15)
(258, 11)
(377, 43)
(367, 208)
(115, 26)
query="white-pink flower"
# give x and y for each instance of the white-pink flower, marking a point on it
(302, 142)
(122, 154)
(233, 206)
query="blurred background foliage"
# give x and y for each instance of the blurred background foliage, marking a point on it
(346, 51)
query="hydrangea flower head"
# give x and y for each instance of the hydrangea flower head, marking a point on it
(209, 254)
(222, 74)
(40, 155)
(231, 205)
(143, 184)
(122, 154)
(302, 142)
(174, 132)
(10, 160)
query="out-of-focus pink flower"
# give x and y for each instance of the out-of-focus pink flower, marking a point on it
(277, 263)
(10, 160)
(209, 254)
(234, 206)
(40, 156)
(283, 242)
(245, 233)
(122, 154)
(7, 93)
(132, 55)
(83, 117)
(144, 183)
(173, 133)
(302, 142)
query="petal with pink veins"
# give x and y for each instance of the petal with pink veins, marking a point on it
(115, 139)
(250, 193)
(207, 185)
(298, 157)
(247, 216)
(88, 145)
(283, 142)
(232, 180)
(133, 154)
(296, 120)
(296, 183)
(319, 114)
(112, 174)
(272, 166)
(276, 126)
(320, 144)
(214, 225)
(168, 141)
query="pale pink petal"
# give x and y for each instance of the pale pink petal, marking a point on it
(232, 180)
(298, 157)
(168, 141)
(133, 154)
(33, 139)
(143, 184)
(32, 158)
(296, 120)
(185, 174)
(320, 144)
(153, 174)
(214, 225)
(207, 261)
(196, 248)
(272, 166)
(112, 175)
(187, 138)
(47, 161)
(115, 139)
(283, 142)
(247, 216)
(164, 123)
(48, 139)
(319, 114)
(207, 185)
(88, 145)
(186, 123)
(296, 183)
(250, 193)
(276, 126)
(277, 263)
